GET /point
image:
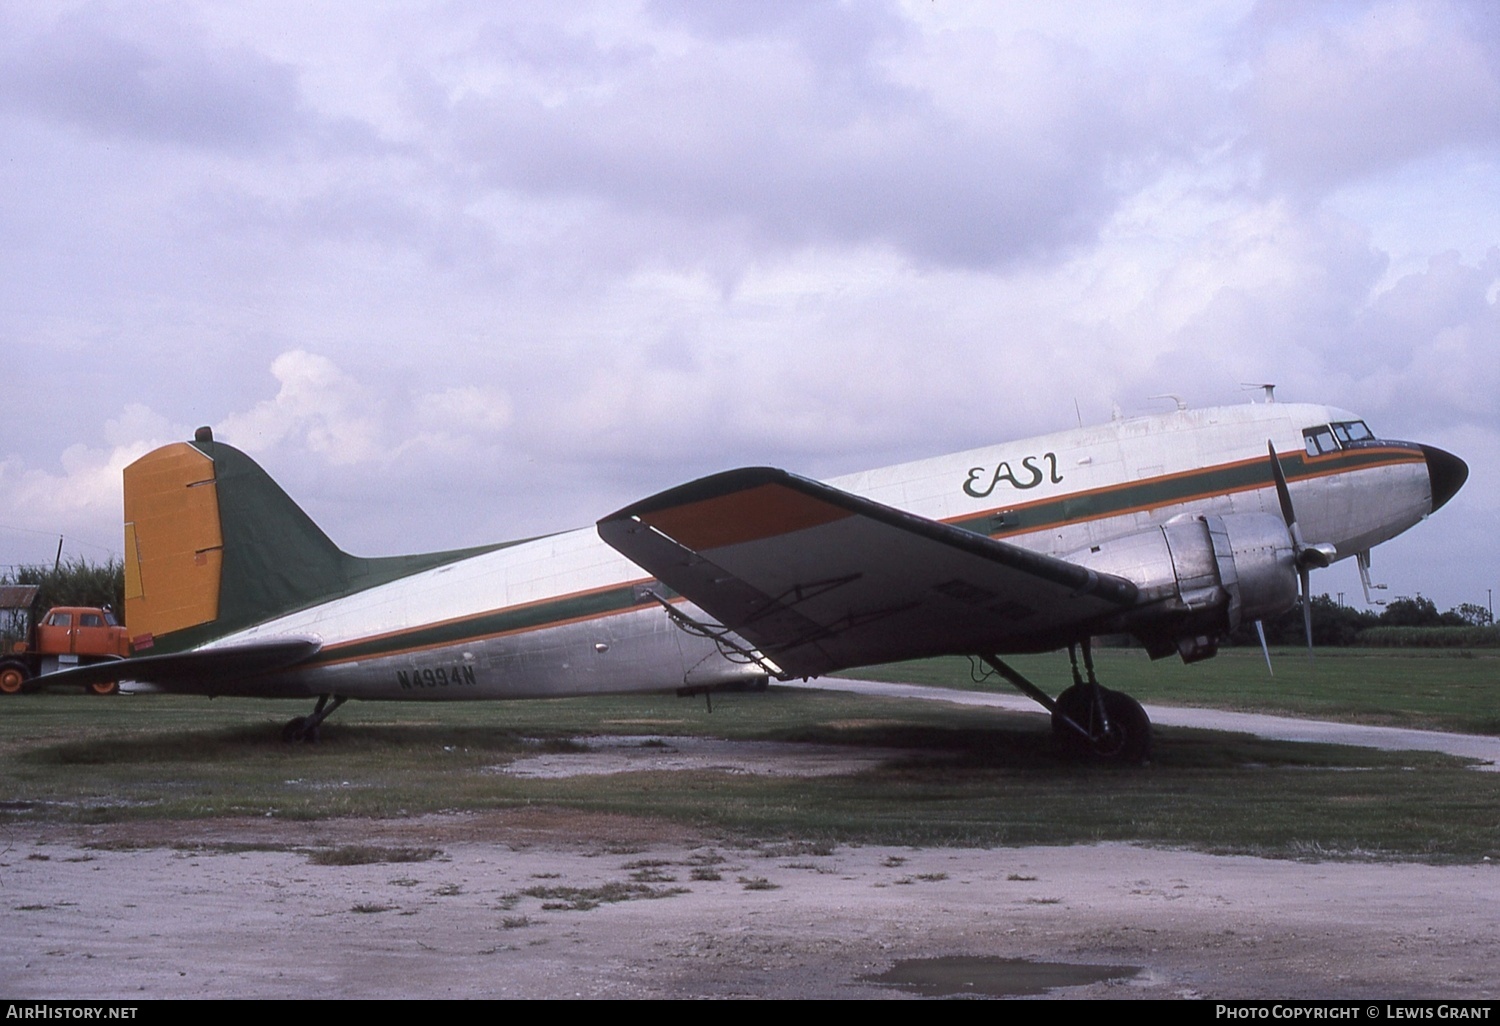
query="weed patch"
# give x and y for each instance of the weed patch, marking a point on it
(581, 899)
(368, 854)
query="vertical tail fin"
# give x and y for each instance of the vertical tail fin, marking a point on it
(213, 545)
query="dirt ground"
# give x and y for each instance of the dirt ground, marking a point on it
(518, 905)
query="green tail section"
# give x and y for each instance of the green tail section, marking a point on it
(275, 560)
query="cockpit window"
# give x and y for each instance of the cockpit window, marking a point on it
(1326, 438)
(1352, 431)
(1319, 440)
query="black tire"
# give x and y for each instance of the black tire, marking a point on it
(1128, 739)
(1076, 703)
(1130, 730)
(298, 730)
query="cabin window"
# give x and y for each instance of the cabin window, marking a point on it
(90, 620)
(60, 620)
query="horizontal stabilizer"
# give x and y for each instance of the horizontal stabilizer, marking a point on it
(184, 670)
(820, 579)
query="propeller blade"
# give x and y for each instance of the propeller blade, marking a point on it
(1265, 649)
(1306, 556)
(1282, 491)
(1300, 548)
(1305, 574)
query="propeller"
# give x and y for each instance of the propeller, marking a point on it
(1265, 649)
(1305, 556)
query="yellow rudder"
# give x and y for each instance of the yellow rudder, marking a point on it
(174, 547)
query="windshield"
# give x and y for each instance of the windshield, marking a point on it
(1352, 431)
(1326, 438)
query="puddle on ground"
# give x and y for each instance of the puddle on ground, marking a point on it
(650, 752)
(993, 977)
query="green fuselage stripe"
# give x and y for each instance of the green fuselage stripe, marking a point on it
(1115, 500)
(1173, 489)
(494, 623)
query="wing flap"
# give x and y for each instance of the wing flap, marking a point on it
(820, 579)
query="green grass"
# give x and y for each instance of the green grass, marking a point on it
(1428, 688)
(969, 776)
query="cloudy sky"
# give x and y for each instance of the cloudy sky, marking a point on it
(462, 271)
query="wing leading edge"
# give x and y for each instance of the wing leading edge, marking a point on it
(820, 580)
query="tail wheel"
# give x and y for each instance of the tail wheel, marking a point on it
(108, 687)
(298, 730)
(12, 679)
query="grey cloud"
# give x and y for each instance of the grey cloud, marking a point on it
(1374, 86)
(677, 237)
(835, 35)
(750, 137)
(1427, 345)
(168, 86)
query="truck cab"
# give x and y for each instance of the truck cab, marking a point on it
(65, 637)
(82, 631)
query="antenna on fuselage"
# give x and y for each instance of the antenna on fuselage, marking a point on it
(1176, 399)
(1268, 387)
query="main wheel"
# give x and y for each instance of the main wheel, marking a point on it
(12, 678)
(108, 687)
(1075, 703)
(1128, 738)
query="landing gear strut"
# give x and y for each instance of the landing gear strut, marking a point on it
(305, 728)
(1088, 719)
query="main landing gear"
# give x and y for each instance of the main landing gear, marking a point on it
(1088, 719)
(305, 728)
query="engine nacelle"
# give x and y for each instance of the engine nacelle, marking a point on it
(1199, 578)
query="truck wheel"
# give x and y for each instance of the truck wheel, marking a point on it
(12, 678)
(108, 687)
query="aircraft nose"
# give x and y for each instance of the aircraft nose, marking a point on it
(1446, 472)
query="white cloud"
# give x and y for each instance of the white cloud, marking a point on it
(318, 408)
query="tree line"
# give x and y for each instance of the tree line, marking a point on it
(72, 582)
(1405, 621)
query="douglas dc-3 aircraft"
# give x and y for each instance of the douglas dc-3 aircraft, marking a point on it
(1172, 528)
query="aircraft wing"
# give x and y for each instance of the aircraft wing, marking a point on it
(819, 579)
(179, 670)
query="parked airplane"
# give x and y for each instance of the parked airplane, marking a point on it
(1173, 528)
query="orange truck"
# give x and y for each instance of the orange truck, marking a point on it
(67, 636)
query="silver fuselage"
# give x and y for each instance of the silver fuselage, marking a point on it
(567, 615)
